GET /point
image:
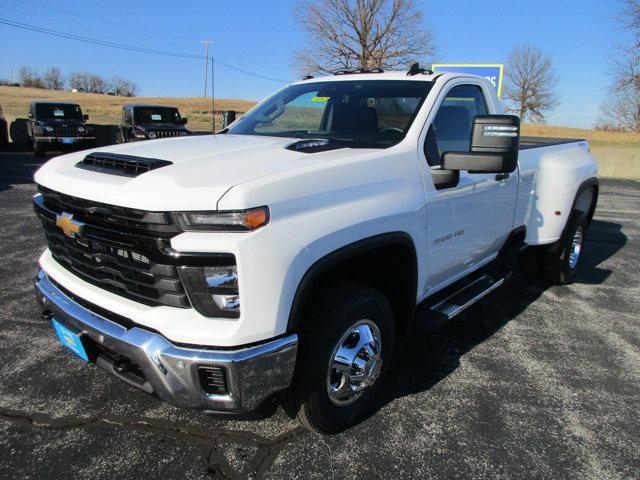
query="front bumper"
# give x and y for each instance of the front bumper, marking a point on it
(65, 140)
(171, 372)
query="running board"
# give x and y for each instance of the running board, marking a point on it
(463, 299)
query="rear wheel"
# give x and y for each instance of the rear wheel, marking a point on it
(345, 349)
(563, 258)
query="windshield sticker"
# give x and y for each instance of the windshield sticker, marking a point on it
(156, 117)
(58, 113)
(320, 99)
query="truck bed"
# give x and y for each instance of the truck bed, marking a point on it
(537, 142)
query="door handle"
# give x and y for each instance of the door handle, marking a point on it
(502, 176)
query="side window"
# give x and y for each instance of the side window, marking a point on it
(451, 129)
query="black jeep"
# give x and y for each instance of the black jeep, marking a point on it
(148, 122)
(57, 125)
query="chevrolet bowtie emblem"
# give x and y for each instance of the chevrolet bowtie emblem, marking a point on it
(68, 225)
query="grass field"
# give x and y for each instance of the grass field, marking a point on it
(618, 153)
(106, 109)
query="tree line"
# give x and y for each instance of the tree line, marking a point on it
(53, 79)
(387, 34)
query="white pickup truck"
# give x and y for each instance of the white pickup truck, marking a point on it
(280, 258)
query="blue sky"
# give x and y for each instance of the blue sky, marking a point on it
(259, 36)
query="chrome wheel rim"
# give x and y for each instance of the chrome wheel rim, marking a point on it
(355, 363)
(576, 248)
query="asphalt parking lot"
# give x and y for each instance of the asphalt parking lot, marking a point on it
(532, 382)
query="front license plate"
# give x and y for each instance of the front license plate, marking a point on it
(66, 140)
(70, 340)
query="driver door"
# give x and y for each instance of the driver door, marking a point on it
(467, 223)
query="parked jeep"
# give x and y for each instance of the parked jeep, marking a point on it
(4, 130)
(148, 122)
(57, 124)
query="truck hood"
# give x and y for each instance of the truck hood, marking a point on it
(204, 168)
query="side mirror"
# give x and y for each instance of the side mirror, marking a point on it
(495, 140)
(30, 115)
(86, 117)
(184, 120)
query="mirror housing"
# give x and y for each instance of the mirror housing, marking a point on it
(495, 140)
(184, 120)
(86, 117)
(30, 115)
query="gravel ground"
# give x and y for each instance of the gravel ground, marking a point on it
(532, 382)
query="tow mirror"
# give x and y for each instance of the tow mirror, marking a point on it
(495, 140)
(184, 120)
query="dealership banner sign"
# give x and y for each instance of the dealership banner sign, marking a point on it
(492, 72)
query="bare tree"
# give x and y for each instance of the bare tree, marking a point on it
(53, 79)
(361, 34)
(122, 87)
(530, 83)
(621, 108)
(87, 82)
(30, 78)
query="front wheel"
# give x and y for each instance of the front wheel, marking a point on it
(564, 258)
(38, 148)
(345, 349)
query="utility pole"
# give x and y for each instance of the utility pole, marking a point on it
(206, 44)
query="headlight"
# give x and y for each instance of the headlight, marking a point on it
(48, 128)
(152, 135)
(81, 129)
(235, 221)
(213, 291)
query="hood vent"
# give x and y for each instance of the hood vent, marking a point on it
(123, 165)
(314, 145)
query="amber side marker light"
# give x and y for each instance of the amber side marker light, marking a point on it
(256, 217)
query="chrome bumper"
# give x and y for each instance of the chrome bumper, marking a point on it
(171, 372)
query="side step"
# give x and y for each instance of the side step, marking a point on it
(463, 299)
(444, 310)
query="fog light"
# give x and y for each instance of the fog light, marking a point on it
(152, 135)
(213, 290)
(227, 302)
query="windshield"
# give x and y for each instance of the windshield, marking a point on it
(58, 110)
(366, 113)
(156, 115)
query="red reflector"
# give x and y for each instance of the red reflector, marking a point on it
(558, 213)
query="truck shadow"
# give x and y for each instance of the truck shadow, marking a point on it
(423, 358)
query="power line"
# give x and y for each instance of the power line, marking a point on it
(94, 41)
(102, 22)
(122, 46)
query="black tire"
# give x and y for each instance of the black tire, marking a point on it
(327, 318)
(38, 148)
(560, 269)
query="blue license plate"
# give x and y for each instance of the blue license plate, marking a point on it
(66, 140)
(70, 340)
